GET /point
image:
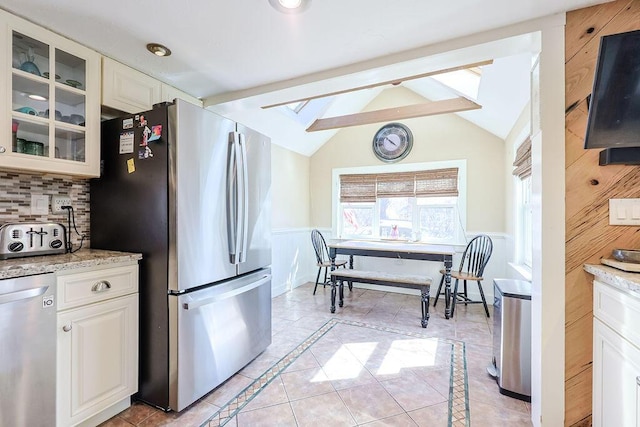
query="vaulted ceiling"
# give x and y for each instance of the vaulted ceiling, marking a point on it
(241, 55)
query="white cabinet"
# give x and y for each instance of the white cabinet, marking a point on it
(131, 91)
(126, 89)
(51, 109)
(616, 358)
(97, 343)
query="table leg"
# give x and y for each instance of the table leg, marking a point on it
(424, 293)
(333, 296)
(341, 293)
(351, 268)
(332, 256)
(447, 287)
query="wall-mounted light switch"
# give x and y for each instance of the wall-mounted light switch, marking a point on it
(39, 204)
(624, 212)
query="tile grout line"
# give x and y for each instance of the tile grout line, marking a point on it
(224, 415)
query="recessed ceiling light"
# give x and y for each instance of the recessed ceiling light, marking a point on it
(37, 97)
(290, 6)
(158, 49)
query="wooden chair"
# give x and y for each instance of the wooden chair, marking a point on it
(474, 260)
(322, 257)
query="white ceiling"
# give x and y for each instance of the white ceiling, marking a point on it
(242, 54)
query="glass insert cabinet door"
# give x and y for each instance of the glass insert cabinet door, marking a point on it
(48, 101)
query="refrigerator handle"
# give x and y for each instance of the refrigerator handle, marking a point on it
(232, 199)
(244, 188)
(206, 301)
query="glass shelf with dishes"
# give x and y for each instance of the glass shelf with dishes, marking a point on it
(30, 136)
(52, 99)
(38, 98)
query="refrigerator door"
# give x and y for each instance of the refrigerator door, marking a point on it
(199, 159)
(215, 332)
(256, 241)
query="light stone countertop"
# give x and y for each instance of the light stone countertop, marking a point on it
(618, 278)
(27, 266)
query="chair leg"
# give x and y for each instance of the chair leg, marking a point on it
(466, 297)
(484, 301)
(435, 301)
(326, 269)
(455, 297)
(317, 278)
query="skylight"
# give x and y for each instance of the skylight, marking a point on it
(307, 110)
(297, 106)
(466, 82)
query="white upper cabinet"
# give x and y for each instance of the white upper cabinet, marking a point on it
(132, 91)
(51, 115)
(126, 89)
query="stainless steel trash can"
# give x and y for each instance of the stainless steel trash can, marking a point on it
(511, 365)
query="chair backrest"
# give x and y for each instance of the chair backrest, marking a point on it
(320, 246)
(476, 255)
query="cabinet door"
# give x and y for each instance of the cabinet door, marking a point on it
(97, 358)
(616, 366)
(126, 89)
(53, 98)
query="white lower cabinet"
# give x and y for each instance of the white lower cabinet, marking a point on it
(97, 346)
(616, 358)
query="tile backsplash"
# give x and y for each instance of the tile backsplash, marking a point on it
(16, 189)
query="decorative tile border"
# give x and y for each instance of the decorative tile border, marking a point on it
(458, 386)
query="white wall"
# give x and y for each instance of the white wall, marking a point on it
(293, 260)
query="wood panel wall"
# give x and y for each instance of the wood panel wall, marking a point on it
(589, 187)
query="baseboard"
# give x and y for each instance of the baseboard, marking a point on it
(278, 290)
(106, 414)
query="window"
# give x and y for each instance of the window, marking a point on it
(524, 231)
(420, 205)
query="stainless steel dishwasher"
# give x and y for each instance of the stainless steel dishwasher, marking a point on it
(28, 351)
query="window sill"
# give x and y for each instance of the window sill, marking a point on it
(522, 270)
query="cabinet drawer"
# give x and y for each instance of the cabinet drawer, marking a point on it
(97, 285)
(617, 309)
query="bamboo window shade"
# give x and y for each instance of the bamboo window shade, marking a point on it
(522, 162)
(369, 187)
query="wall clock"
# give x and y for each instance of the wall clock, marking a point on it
(392, 142)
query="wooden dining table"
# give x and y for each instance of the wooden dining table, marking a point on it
(397, 250)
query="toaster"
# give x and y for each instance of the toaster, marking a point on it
(32, 238)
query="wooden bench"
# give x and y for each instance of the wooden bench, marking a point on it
(409, 281)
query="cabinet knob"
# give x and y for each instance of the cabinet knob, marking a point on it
(101, 286)
(66, 328)
(2, 149)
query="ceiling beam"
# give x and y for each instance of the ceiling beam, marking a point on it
(398, 113)
(388, 82)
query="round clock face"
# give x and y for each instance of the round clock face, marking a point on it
(392, 142)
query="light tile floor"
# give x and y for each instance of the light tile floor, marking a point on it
(291, 399)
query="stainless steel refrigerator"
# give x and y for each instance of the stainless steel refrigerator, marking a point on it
(190, 190)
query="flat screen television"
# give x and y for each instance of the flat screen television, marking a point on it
(614, 110)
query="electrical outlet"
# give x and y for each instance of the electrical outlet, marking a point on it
(57, 202)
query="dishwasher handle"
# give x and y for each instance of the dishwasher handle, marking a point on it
(206, 301)
(24, 294)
